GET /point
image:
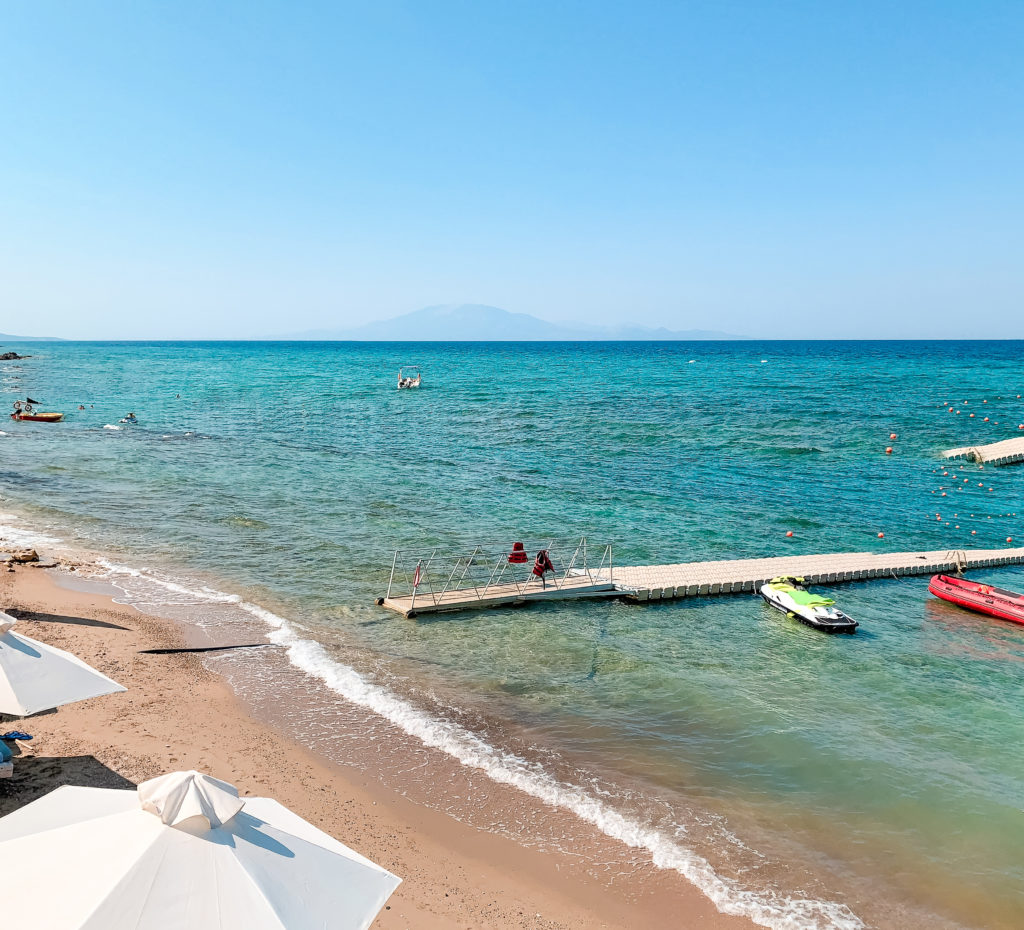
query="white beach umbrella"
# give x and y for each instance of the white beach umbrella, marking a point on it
(35, 677)
(183, 852)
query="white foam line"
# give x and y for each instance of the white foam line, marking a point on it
(24, 537)
(768, 908)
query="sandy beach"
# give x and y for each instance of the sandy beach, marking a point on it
(178, 715)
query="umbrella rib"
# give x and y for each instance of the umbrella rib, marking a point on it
(252, 881)
(113, 890)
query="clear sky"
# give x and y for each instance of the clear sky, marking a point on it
(792, 169)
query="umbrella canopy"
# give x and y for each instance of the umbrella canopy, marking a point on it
(35, 677)
(183, 852)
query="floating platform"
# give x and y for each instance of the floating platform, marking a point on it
(706, 579)
(995, 453)
(736, 576)
(501, 595)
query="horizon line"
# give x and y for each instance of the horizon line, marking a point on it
(25, 340)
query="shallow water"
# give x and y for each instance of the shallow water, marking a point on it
(881, 772)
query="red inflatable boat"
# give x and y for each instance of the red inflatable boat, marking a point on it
(984, 598)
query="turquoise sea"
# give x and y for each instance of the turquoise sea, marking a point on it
(806, 780)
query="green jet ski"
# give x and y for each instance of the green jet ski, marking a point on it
(791, 597)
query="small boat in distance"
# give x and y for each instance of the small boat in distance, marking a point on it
(982, 598)
(27, 411)
(409, 377)
(791, 597)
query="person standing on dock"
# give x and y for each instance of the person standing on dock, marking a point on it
(541, 565)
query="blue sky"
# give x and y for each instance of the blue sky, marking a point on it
(791, 169)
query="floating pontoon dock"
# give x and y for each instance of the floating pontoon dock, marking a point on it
(431, 580)
(995, 453)
(435, 582)
(705, 579)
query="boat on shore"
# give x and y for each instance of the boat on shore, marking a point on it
(981, 598)
(26, 411)
(791, 597)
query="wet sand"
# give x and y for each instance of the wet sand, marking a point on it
(176, 714)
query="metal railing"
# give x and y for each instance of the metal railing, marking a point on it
(958, 558)
(429, 574)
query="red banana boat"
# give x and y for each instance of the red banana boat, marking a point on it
(983, 598)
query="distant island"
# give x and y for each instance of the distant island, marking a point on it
(7, 337)
(481, 323)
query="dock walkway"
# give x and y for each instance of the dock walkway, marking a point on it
(994, 453)
(709, 579)
(499, 595)
(734, 576)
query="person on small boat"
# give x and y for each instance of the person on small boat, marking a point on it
(130, 418)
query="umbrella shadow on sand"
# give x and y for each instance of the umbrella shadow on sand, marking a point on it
(35, 776)
(34, 617)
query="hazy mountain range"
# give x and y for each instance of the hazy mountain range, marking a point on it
(478, 322)
(7, 337)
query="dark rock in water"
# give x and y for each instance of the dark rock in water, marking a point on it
(12, 357)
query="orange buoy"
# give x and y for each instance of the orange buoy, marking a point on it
(950, 409)
(1009, 539)
(945, 474)
(986, 419)
(789, 532)
(972, 414)
(943, 493)
(881, 535)
(888, 450)
(892, 435)
(974, 532)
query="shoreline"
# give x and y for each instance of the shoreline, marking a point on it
(454, 874)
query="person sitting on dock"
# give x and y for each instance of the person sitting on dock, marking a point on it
(518, 554)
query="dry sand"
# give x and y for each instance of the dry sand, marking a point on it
(178, 715)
